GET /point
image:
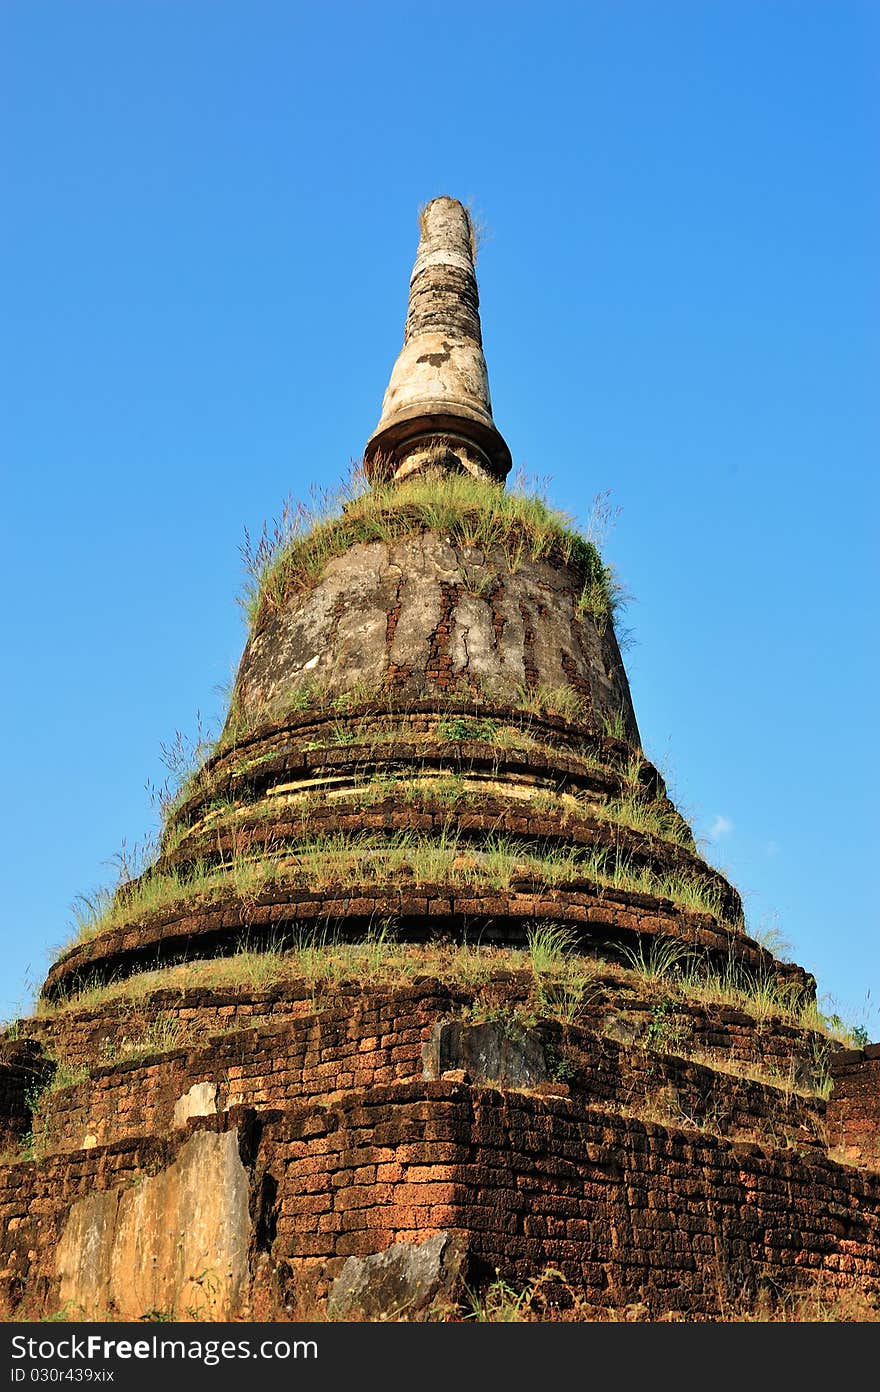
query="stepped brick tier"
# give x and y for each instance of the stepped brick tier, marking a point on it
(429, 979)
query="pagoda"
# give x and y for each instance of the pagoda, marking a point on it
(428, 992)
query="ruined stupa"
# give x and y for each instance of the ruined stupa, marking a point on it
(429, 987)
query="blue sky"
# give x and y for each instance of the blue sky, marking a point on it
(209, 222)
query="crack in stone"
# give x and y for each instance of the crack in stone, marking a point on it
(439, 668)
(530, 638)
(393, 615)
(496, 594)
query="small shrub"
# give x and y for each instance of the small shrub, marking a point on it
(561, 1067)
(502, 1303)
(465, 727)
(666, 1031)
(343, 734)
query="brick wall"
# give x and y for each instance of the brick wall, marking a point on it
(854, 1106)
(359, 1044)
(627, 1210)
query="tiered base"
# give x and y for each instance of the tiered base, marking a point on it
(658, 1153)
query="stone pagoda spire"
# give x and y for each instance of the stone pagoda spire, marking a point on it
(437, 411)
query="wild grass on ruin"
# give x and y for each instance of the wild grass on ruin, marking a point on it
(315, 959)
(290, 555)
(343, 860)
(667, 968)
(565, 984)
(557, 981)
(669, 976)
(550, 1298)
(477, 722)
(452, 730)
(641, 813)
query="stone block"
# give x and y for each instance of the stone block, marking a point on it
(403, 1281)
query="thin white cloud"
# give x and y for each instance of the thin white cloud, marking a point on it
(721, 827)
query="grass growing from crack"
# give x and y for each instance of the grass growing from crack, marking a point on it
(614, 725)
(549, 945)
(564, 982)
(656, 959)
(542, 699)
(159, 1036)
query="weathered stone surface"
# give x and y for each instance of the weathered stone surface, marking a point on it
(279, 1049)
(487, 1053)
(199, 1100)
(521, 628)
(627, 1208)
(174, 1243)
(404, 1280)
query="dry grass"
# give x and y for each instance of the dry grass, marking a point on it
(549, 1297)
(369, 858)
(566, 985)
(316, 957)
(160, 1036)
